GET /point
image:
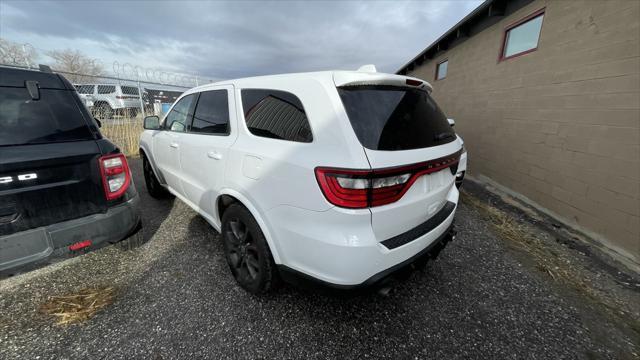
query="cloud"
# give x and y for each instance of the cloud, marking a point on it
(235, 39)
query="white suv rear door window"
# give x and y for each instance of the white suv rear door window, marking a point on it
(212, 113)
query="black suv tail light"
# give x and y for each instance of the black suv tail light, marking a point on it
(116, 176)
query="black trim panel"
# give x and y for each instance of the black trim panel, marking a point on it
(421, 229)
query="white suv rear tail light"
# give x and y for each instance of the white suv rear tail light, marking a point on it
(116, 176)
(359, 189)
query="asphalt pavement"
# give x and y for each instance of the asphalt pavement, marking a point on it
(176, 299)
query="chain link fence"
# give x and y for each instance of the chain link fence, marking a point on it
(121, 103)
(120, 97)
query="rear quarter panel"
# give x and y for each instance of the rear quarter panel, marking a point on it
(146, 145)
(275, 172)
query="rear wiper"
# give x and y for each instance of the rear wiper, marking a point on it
(443, 136)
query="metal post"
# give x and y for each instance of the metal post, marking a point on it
(140, 91)
(26, 56)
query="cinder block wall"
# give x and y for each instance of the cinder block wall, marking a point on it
(560, 125)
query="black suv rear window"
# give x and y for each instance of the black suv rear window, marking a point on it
(55, 117)
(395, 118)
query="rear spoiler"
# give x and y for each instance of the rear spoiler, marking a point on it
(354, 78)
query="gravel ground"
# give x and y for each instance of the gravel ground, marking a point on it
(177, 299)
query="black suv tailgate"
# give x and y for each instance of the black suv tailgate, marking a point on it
(47, 183)
(48, 154)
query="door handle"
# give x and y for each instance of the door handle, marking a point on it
(214, 155)
(174, 145)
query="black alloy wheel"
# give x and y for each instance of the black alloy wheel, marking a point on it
(243, 254)
(247, 251)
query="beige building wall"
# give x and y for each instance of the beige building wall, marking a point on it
(560, 125)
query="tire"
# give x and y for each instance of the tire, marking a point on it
(154, 188)
(247, 251)
(132, 112)
(103, 111)
(132, 242)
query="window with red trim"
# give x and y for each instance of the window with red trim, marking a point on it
(522, 36)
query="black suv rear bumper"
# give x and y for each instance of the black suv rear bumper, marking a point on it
(33, 248)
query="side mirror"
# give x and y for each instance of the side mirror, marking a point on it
(98, 122)
(452, 122)
(152, 122)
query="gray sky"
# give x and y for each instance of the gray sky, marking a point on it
(221, 40)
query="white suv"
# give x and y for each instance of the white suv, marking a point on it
(109, 98)
(339, 177)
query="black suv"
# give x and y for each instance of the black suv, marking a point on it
(64, 188)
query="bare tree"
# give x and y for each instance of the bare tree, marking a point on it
(12, 53)
(77, 67)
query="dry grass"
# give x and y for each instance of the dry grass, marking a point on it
(125, 133)
(78, 307)
(549, 261)
(554, 262)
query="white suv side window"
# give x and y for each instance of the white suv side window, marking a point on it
(106, 89)
(85, 89)
(276, 114)
(181, 114)
(211, 115)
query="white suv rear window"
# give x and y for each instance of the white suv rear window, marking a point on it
(395, 118)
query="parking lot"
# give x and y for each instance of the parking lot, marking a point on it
(481, 298)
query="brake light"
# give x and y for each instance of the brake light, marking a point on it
(116, 176)
(358, 189)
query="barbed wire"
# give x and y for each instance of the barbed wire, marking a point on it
(138, 72)
(122, 71)
(101, 77)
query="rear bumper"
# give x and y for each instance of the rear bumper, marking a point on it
(37, 247)
(431, 251)
(127, 104)
(339, 247)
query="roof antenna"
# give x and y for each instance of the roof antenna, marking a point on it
(370, 68)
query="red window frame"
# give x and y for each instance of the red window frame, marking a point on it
(514, 25)
(435, 77)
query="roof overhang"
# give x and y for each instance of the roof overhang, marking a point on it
(489, 8)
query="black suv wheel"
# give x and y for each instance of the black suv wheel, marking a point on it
(247, 251)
